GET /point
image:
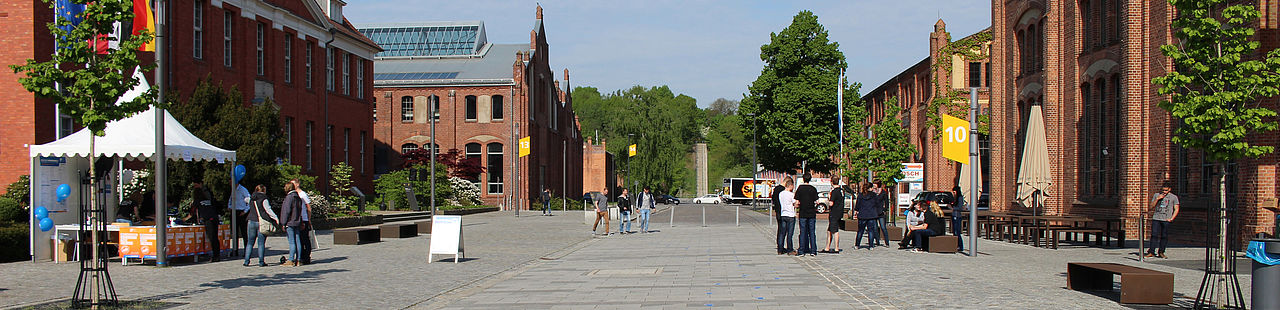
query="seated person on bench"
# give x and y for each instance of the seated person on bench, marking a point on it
(933, 226)
(915, 221)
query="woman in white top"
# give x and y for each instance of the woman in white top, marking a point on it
(787, 225)
(915, 220)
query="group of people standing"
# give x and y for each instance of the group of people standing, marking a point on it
(795, 207)
(294, 218)
(644, 205)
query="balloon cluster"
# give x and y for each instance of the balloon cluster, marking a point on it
(42, 215)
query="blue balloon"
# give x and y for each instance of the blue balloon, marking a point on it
(41, 213)
(238, 173)
(46, 224)
(64, 191)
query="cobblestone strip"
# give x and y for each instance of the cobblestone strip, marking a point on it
(443, 299)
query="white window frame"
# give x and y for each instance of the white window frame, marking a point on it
(261, 44)
(310, 50)
(328, 147)
(197, 29)
(346, 73)
(310, 128)
(346, 145)
(362, 159)
(228, 21)
(328, 68)
(288, 137)
(288, 58)
(360, 78)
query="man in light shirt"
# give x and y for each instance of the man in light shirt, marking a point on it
(787, 201)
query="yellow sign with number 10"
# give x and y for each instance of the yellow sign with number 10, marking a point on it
(955, 139)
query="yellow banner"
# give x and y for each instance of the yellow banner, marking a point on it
(524, 146)
(631, 150)
(955, 139)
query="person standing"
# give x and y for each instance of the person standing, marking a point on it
(787, 222)
(777, 210)
(958, 206)
(645, 204)
(546, 202)
(1164, 208)
(209, 217)
(835, 215)
(807, 215)
(882, 193)
(291, 219)
(600, 201)
(238, 204)
(260, 214)
(304, 237)
(624, 213)
(867, 211)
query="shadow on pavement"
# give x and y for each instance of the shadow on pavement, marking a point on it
(1180, 301)
(460, 260)
(329, 260)
(263, 280)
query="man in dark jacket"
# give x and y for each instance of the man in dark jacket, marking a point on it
(867, 211)
(208, 216)
(807, 216)
(291, 218)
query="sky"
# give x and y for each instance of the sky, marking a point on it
(706, 49)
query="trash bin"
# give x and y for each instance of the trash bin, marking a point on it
(1265, 253)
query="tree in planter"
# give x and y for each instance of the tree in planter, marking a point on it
(390, 187)
(795, 97)
(88, 83)
(340, 181)
(1216, 91)
(888, 149)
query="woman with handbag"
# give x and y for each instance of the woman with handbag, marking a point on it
(261, 222)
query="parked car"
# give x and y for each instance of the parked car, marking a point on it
(942, 198)
(666, 199)
(708, 198)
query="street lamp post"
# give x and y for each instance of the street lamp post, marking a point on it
(754, 165)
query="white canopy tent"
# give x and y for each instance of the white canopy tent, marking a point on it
(61, 161)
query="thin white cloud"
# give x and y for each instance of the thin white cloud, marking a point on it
(703, 48)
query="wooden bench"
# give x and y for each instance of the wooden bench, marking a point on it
(1137, 285)
(850, 225)
(943, 244)
(357, 235)
(398, 230)
(424, 227)
(896, 233)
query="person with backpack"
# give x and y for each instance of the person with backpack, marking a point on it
(259, 214)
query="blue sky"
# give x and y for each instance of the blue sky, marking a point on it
(702, 48)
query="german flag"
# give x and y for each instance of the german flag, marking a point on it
(144, 19)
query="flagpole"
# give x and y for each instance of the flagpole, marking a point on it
(161, 215)
(840, 109)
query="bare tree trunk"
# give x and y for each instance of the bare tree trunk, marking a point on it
(1223, 251)
(93, 224)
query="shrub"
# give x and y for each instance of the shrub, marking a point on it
(19, 190)
(14, 242)
(390, 188)
(12, 211)
(465, 192)
(340, 182)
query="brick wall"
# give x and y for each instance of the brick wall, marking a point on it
(27, 120)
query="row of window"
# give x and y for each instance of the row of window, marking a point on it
(308, 131)
(493, 168)
(1101, 21)
(496, 104)
(1099, 133)
(261, 45)
(1031, 47)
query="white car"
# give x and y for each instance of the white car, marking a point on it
(708, 198)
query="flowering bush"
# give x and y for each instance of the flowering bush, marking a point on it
(465, 192)
(140, 183)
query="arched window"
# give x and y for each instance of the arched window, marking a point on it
(1039, 52)
(471, 107)
(1100, 140)
(408, 147)
(406, 109)
(1033, 48)
(1022, 52)
(473, 150)
(496, 109)
(494, 169)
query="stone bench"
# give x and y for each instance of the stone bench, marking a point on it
(1137, 285)
(399, 230)
(357, 235)
(424, 227)
(896, 233)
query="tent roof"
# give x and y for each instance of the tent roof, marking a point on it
(134, 137)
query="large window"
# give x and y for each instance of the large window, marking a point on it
(496, 108)
(197, 29)
(471, 110)
(346, 73)
(328, 147)
(328, 68)
(310, 125)
(362, 160)
(495, 168)
(310, 48)
(473, 153)
(975, 74)
(406, 109)
(288, 138)
(228, 19)
(408, 147)
(346, 145)
(360, 78)
(288, 58)
(261, 40)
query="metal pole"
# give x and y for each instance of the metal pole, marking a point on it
(704, 215)
(431, 115)
(235, 231)
(973, 172)
(736, 211)
(564, 175)
(672, 209)
(161, 215)
(1142, 234)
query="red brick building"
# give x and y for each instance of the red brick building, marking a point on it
(915, 88)
(598, 169)
(1090, 63)
(302, 55)
(485, 96)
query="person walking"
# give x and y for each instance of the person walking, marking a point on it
(835, 215)
(958, 206)
(291, 218)
(1164, 208)
(867, 211)
(546, 202)
(777, 210)
(624, 213)
(787, 221)
(304, 236)
(208, 216)
(600, 201)
(807, 215)
(260, 213)
(645, 204)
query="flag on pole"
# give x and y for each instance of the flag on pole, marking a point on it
(71, 12)
(144, 19)
(840, 108)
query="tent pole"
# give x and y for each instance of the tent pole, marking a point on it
(235, 231)
(161, 215)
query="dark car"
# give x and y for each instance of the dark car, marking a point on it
(942, 198)
(666, 199)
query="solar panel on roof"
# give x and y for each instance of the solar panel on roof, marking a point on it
(415, 76)
(426, 40)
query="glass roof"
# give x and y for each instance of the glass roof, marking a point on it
(416, 76)
(427, 40)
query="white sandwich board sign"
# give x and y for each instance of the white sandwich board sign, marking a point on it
(446, 237)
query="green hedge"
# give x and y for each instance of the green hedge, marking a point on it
(14, 243)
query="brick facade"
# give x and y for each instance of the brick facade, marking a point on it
(27, 120)
(598, 170)
(301, 23)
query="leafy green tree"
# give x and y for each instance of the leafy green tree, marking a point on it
(795, 97)
(1217, 85)
(220, 117)
(288, 172)
(390, 187)
(663, 125)
(884, 152)
(340, 182)
(20, 190)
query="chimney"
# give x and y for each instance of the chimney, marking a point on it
(566, 75)
(539, 11)
(333, 8)
(533, 39)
